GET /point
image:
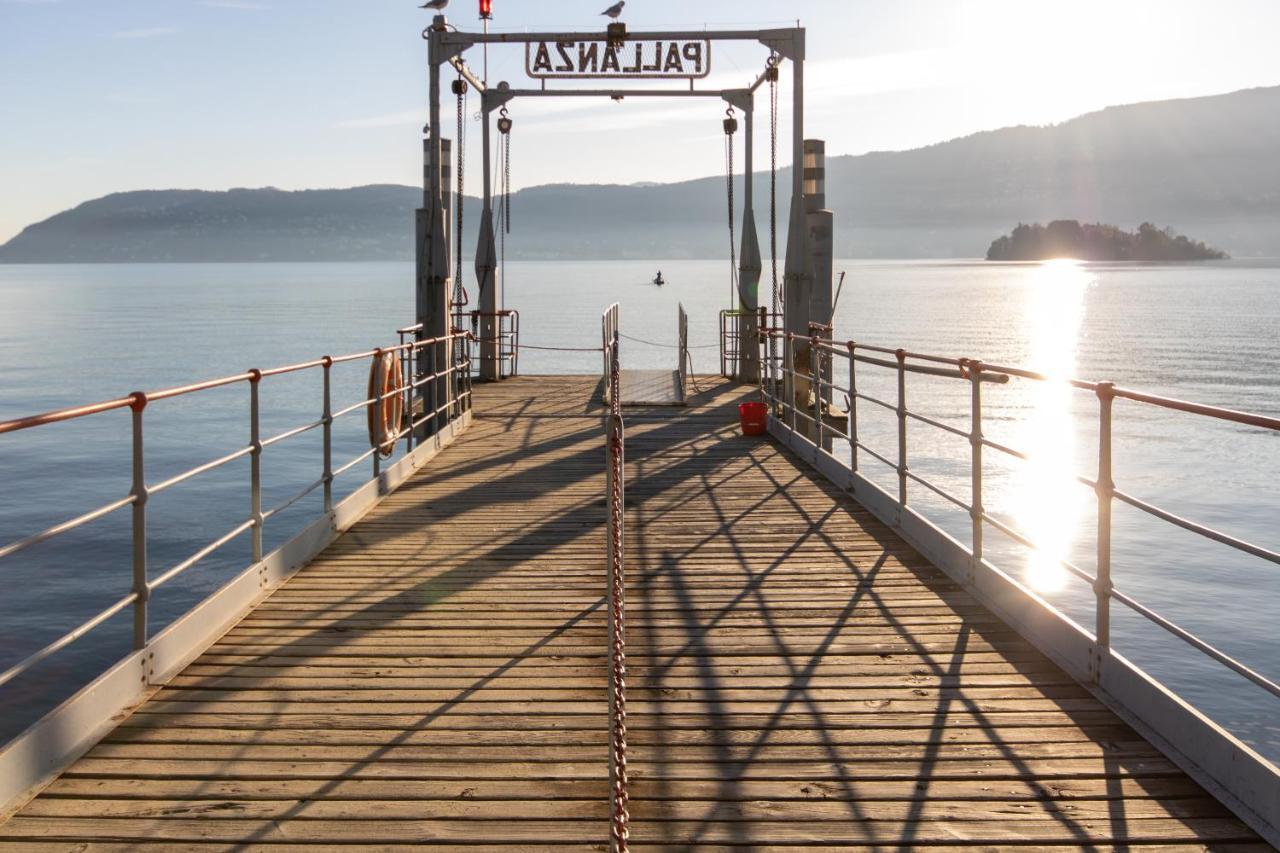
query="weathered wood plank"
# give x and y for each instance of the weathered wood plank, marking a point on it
(799, 678)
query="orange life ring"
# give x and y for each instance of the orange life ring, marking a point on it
(386, 380)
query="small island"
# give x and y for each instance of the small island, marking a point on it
(1067, 238)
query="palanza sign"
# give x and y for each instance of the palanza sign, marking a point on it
(684, 60)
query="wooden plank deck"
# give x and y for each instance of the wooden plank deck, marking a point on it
(798, 677)
(651, 388)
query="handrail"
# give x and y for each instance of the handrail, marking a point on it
(144, 584)
(782, 372)
(615, 489)
(682, 350)
(609, 334)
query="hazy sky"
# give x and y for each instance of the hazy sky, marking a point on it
(98, 96)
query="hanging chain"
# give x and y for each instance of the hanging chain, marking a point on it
(460, 87)
(730, 126)
(506, 180)
(504, 188)
(504, 218)
(620, 817)
(773, 174)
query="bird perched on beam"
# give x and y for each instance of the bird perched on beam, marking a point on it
(435, 5)
(613, 11)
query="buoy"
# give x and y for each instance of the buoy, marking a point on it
(386, 381)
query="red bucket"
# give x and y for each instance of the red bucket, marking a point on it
(754, 416)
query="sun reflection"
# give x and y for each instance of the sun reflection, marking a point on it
(1047, 502)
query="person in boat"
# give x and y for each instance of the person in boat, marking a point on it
(657, 279)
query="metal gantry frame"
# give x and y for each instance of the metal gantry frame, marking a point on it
(447, 45)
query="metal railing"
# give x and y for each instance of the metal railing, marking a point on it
(730, 341)
(797, 398)
(144, 584)
(615, 490)
(507, 333)
(609, 332)
(682, 337)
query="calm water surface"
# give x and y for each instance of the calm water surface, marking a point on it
(69, 334)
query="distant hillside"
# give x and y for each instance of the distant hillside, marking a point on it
(1206, 166)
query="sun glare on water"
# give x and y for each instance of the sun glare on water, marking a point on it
(1047, 501)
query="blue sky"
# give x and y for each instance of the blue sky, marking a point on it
(98, 96)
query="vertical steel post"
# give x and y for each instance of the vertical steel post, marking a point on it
(747, 367)
(408, 391)
(853, 408)
(255, 464)
(901, 355)
(789, 363)
(141, 590)
(488, 276)
(760, 343)
(1105, 489)
(377, 412)
(976, 509)
(436, 317)
(816, 375)
(798, 269)
(326, 420)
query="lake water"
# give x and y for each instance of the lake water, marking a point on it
(71, 334)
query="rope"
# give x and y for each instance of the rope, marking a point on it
(534, 346)
(667, 346)
(692, 381)
(561, 349)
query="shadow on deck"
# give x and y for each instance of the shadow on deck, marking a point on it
(798, 675)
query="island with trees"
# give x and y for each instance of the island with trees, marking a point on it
(1067, 238)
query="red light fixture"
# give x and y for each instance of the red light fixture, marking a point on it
(486, 9)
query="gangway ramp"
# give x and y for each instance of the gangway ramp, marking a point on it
(798, 676)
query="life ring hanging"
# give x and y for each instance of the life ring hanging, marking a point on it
(385, 377)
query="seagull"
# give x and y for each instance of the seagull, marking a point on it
(612, 12)
(436, 5)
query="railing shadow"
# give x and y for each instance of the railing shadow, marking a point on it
(666, 458)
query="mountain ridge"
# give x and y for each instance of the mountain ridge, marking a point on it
(1204, 165)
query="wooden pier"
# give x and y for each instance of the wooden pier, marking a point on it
(798, 676)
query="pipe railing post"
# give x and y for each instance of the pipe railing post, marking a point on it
(377, 410)
(407, 377)
(853, 408)
(141, 591)
(901, 355)
(255, 464)
(815, 365)
(974, 369)
(326, 420)
(1102, 585)
(789, 379)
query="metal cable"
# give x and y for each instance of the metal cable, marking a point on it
(667, 346)
(773, 181)
(733, 258)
